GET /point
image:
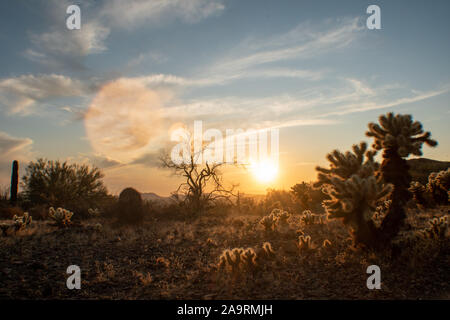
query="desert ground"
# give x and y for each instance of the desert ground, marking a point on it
(166, 259)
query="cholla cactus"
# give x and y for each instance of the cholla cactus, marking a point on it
(238, 260)
(399, 137)
(60, 216)
(399, 133)
(326, 243)
(439, 186)
(268, 250)
(310, 218)
(418, 191)
(22, 222)
(380, 212)
(438, 228)
(94, 212)
(277, 218)
(353, 190)
(282, 221)
(305, 244)
(230, 259)
(248, 259)
(268, 223)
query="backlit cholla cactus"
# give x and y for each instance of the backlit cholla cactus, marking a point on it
(437, 228)
(282, 220)
(439, 186)
(237, 260)
(310, 218)
(305, 244)
(380, 212)
(22, 222)
(268, 223)
(276, 219)
(418, 191)
(353, 190)
(326, 243)
(60, 216)
(248, 259)
(94, 212)
(267, 250)
(398, 136)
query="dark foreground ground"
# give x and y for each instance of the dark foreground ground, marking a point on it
(178, 260)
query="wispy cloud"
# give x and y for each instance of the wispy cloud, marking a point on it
(97, 160)
(389, 103)
(20, 94)
(57, 47)
(299, 43)
(146, 57)
(132, 13)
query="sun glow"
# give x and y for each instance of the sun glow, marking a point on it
(264, 170)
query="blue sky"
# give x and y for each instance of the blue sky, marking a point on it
(311, 68)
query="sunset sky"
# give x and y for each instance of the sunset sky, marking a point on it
(111, 93)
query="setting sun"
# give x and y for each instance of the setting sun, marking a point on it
(264, 170)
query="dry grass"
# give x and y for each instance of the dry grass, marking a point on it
(180, 260)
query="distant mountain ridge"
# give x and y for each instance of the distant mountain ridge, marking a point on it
(421, 168)
(151, 196)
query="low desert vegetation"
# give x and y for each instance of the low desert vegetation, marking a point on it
(314, 241)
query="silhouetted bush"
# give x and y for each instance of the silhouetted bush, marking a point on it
(72, 186)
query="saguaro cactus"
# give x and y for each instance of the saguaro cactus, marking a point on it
(14, 181)
(399, 137)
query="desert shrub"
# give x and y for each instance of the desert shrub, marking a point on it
(167, 211)
(4, 191)
(39, 212)
(130, 207)
(246, 205)
(278, 199)
(59, 184)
